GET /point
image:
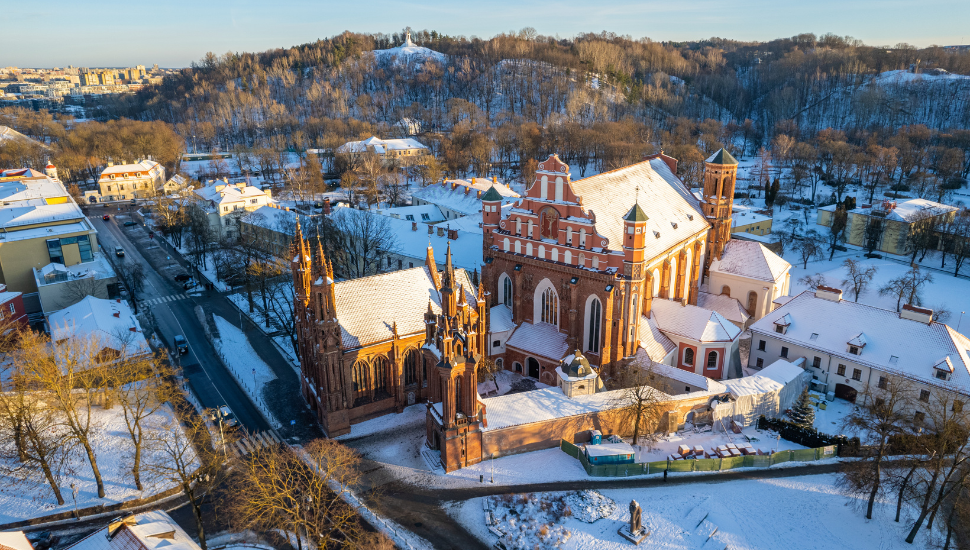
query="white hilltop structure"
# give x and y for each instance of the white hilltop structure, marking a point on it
(409, 51)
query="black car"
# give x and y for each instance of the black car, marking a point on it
(129, 223)
(182, 277)
(181, 345)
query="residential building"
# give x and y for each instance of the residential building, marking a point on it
(386, 149)
(140, 180)
(458, 198)
(706, 342)
(849, 347)
(177, 184)
(153, 530)
(40, 224)
(894, 218)
(111, 322)
(271, 227)
(749, 220)
(59, 286)
(225, 203)
(12, 307)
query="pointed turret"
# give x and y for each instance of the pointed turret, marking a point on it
(449, 270)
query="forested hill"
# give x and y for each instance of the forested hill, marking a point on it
(524, 88)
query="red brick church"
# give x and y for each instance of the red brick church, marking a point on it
(574, 265)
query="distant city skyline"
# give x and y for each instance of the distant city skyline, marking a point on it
(174, 33)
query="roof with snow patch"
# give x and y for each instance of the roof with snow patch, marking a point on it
(653, 342)
(752, 260)
(729, 307)
(693, 322)
(539, 339)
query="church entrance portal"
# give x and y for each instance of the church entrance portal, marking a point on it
(533, 368)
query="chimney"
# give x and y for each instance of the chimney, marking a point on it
(430, 230)
(441, 231)
(414, 226)
(133, 329)
(452, 234)
(479, 195)
(117, 314)
(494, 179)
(913, 313)
(468, 189)
(829, 293)
(454, 185)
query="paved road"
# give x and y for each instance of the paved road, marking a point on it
(210, 380)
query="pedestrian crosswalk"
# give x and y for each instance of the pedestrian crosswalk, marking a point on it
(164, 299)
(255, 440)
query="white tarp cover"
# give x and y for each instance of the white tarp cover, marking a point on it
(767, 393)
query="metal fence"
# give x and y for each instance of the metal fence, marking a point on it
(697, 465)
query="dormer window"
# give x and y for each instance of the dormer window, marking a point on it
(856, 344)
(781, 325)
(125, 175)
(943, 369)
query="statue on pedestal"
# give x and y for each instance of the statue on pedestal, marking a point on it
(636, 518)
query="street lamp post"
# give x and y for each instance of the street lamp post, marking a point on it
(960, 321)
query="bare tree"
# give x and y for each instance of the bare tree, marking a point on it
(76, 290)
(840, 220)
(809, 247)
(639, 403)
(872, 235)
(813, 281)
(361, 240)
(132, 276)
(907, 287)
(922, 233)
(882, 414)
(858, 276)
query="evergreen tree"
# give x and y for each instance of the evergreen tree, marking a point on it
(803, 413)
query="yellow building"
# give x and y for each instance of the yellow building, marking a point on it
(895, 218)
(40, 224)
(750, 221)
(119, 182)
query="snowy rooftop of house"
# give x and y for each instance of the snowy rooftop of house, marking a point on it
(693, 322)
(142, 166)
(893, 344)
(752, 260)
(466, 250)
(729, 307)
(219, 192)
(745, 215)
(500, 319)
(97, 316)
(468, 204)
(654, 343)
(695, 381)
(30, 189)
(380, 145)
(673, 212)
(471, 224)
(155, 530)
(541, 339)
(771, 378)
(403, 297)
(424, 213)
(270, 217)
(543, 404)
(15, 540)
(99, 268)
(901, 211)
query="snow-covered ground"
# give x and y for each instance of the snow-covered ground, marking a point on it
(411, 416)
(244, 363)
(802, 512)
(114, 452)
(505, 381)
(282, 340)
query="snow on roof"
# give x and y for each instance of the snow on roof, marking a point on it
(540, 339)
(98, 267)
(500, 319)
(693, 322)
(694, 380)
(403, 297)
(466, 250)
(917, 346)
(771, 378)
(654, 342)
(664, 199)
(752, 260)
(729, 307)
(745, 215)
(27, 189)
(15, 540)
(610, 449)
(381, 145)
(456, 199)
(546, 404)
(97, 316)
(424, 213)
(908, 211)
(46, 231)
(145, 527)
(142, 166)
(471, 224)
(220, 192)
(276, 219)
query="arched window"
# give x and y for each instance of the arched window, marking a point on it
(656, 283)
(518, 247)
(672, 275)
(567, 257)
(594, 315)
(559, 189)
(542, 251)
(505, 245)
(712, 360)
(410, 367)
(381, 375)
(530, 228)
(507, 291)
(688, 356)
(633, 310)
(554, 254)
(543, 183)
(582, 260)
(549, 223)
(550, 306)
(458, 407)
(569, 235)
(726, 290)
(528, 249)
(582, 236)
(358, 377)
(518, 226)
(596, 262)
(752, 302)
(518, 367)
(688, 268)
(500, 364)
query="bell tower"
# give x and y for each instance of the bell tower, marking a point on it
(720, 175)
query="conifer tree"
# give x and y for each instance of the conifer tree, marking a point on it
(803, 413)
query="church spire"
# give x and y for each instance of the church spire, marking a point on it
(449, 270)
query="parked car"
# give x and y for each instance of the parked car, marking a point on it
(228, 419)
(106, 217)
(130, 223)
(181, 345)
(188, 284)
(119, 252)
(182, 277)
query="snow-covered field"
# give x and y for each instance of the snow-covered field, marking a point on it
(244, 363)
(282, 341)
(114, 452)
(802, 512)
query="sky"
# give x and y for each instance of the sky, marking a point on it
(173, 33)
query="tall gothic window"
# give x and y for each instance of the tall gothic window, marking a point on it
(507, 291)
(359, 377)
(458, 407)
(381, 375)
(550, 306)
(593, 338)
(410, 368)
